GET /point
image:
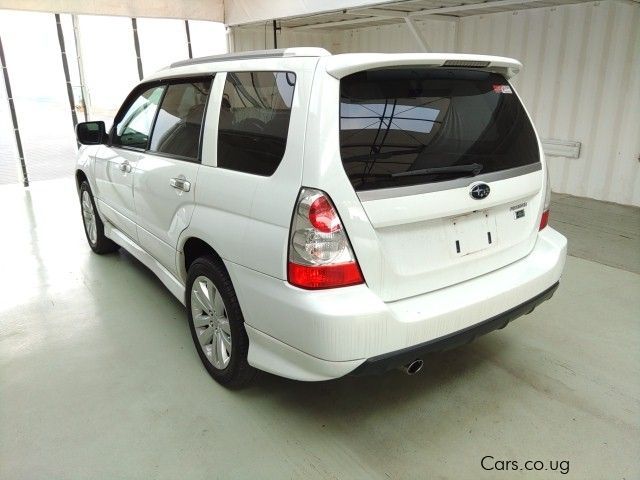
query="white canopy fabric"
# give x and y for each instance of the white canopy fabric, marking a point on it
(212, 10)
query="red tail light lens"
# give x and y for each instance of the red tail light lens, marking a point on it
(320, 254)
(326, 276)
(544, 221)
(322, 215)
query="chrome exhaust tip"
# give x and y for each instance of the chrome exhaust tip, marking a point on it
(413, 367)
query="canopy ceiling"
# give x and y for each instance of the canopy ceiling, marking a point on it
(348, 14)
(212, 10)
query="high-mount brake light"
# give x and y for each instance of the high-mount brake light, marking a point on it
(320, 254)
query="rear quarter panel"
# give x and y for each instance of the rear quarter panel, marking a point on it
(323, 169)
(244, 217)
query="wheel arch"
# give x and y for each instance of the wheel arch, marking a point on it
(192, 247)
(80, 176)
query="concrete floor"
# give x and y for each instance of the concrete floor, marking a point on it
(604, 232)
(99, 379)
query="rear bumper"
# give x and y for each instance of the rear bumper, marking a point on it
(319, 335)
(388, 361)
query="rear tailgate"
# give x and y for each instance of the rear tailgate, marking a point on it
(433, 240)
(415, 139)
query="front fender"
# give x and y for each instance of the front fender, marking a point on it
(84, 164)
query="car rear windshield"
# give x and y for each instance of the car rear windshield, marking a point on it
(409, 126)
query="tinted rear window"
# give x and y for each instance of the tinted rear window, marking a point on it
(400, 120)
(254, 120)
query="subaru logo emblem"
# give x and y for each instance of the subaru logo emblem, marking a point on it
(479, 191)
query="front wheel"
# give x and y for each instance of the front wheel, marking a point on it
(217, 324)
(93, 226)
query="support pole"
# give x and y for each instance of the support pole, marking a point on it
(83, 83)
(14, 118)
(231, 47)
(186, 26)
(275, 39)
(65, 68)
(136, 44)
(417, 34)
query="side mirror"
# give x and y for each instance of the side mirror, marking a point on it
(91, 133)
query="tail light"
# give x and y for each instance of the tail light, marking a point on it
(320, 254)
(544, 221)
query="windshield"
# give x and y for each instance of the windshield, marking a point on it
(425, 120)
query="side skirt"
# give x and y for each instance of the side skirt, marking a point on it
(171, 282)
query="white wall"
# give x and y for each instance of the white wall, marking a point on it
(580, 81)
(257, 38)
(207, 38)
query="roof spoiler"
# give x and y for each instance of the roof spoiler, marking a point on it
(339, 66)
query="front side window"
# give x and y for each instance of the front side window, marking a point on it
(177, 128)
(134, 126)
(409, 126)
(254, 121)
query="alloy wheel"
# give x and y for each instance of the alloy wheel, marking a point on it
(211, 322)
(89, 217)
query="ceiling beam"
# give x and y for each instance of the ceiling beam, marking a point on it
(470, 6)
(434, 13)
(352, 21)
(384, 13)
(378, 12)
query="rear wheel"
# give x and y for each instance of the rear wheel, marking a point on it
(93, 226)
(217, 324)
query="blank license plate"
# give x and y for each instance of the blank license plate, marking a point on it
(472, 233)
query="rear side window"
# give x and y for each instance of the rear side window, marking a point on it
(409, 126)
(254, 121)
(177, 128)
(133, 128)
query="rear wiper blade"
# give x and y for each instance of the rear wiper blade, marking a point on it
(473, 169)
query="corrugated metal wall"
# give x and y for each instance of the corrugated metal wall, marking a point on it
(581, 79)
(441, 36)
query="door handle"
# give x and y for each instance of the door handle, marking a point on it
(180, 183)
(125, 167)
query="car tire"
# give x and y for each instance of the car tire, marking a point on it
(217, 324)
(93, 226)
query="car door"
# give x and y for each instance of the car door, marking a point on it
(166, 175)
(115, 162)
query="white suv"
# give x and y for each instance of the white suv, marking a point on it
(322, 215)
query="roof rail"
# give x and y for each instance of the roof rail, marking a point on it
(282, 52)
